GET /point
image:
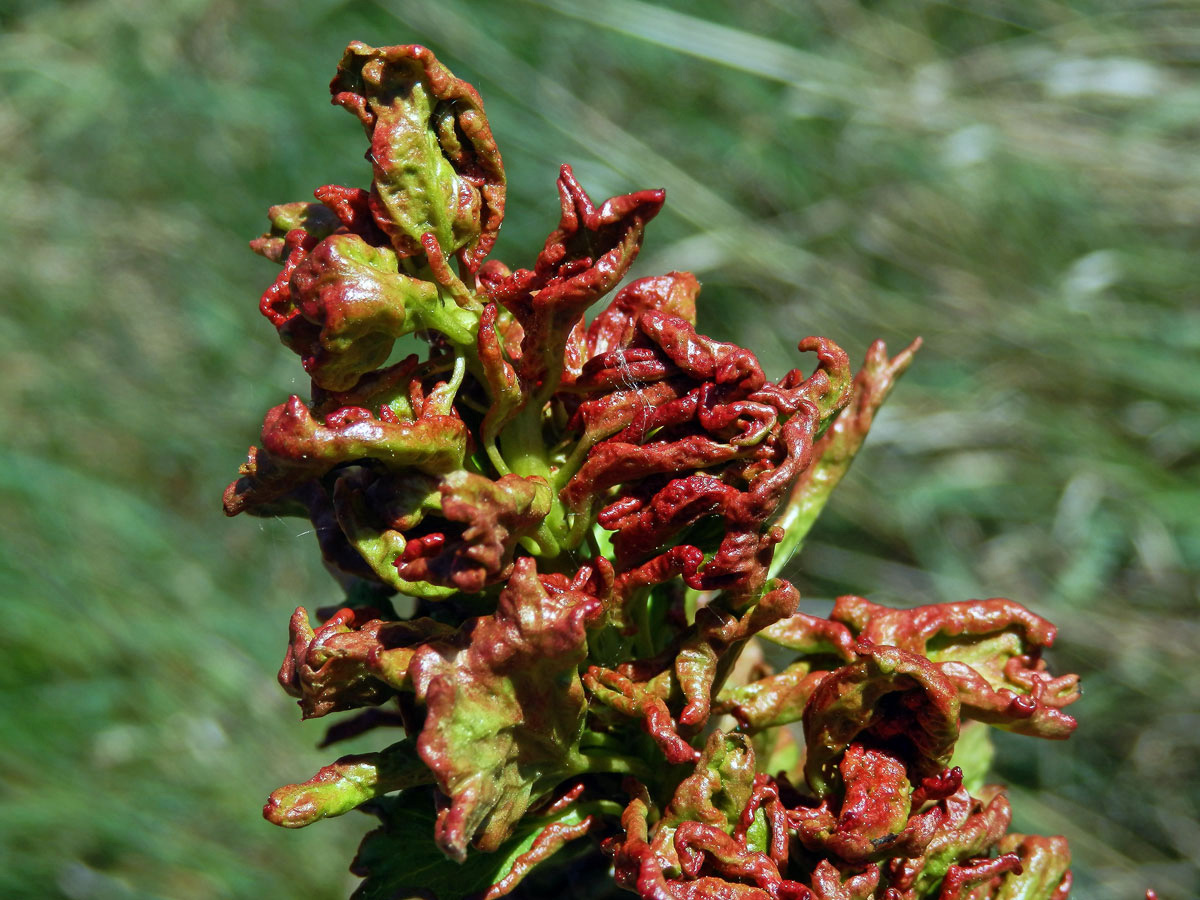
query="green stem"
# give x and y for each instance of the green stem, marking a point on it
(600, 808)
(525, 451)
(614, 763)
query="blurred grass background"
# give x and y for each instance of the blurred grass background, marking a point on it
(1015, 180)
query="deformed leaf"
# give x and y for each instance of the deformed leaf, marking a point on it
(314, 218)
(1044, 868)
(989, 649)
(971, 828)
(437, 169)
(582, 261)
(504, 708)
(673, 293)
(346, 785)
(719, 788)
(352, 660)
(489, 517)
(355, 295)
(298, 447)
(889, 696)
(836, 448)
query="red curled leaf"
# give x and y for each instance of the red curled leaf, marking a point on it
(276, 302)
(327, 668)
(937, 787)
(765, 796)
(989, 649)
(837, 447)
(673, 293)
(643, 528)
(352, 207)
(726, 365)
(613, 462)
(717, 637)
(970, 829)
(493, 516)
(827, 883)
(1043, 868)
(742, 423)
(873, 820)
(811, 635)
(683, 559)
(582, 261)
(719, 787)
(549, 841)
(887, 698)
(741, 563)
(629, 416)
(352, 660)
(772, 700)
(701, 846)
(829, 387)
(500, 378)
(976, 872)
(913, 629)
(644, 701)
(312, 221)
(352, 292)
(298, 447)
(624, 367)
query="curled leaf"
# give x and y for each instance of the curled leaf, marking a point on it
(889, 698)
(491, 516)
(352, 660)
(504, 709)
(315, 219)
(1043, 869)
(298, 447)
(355, 295)
(873, 820)
(437, 168)
(720, 786)
(989, 649)
(582, 261)
(346, 785)
(837, 447)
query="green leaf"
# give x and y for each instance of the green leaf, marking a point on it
(1045, 862)
(347, 784)
(837, 447)
(505, 708)
(437, 169)
(720, 787)
(401, 859)
(362, 302)
(758, 836)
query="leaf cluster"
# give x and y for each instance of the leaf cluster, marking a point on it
(587, 520)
